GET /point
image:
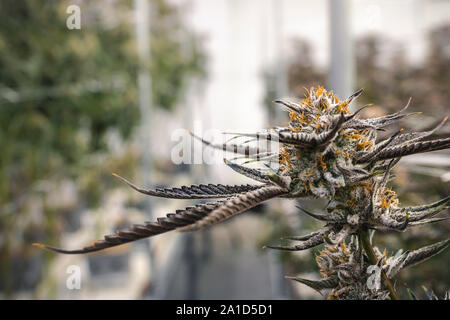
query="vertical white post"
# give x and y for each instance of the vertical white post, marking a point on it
(142, 11)
(281, 86)
(341, 69)
(281, 81)
(277, 281)
(142, 29)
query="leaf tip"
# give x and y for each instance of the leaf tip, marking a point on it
(39, 245)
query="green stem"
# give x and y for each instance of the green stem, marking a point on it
(370, 252)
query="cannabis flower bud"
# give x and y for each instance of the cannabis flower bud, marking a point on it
(326, 152)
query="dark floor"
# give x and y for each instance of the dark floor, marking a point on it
(214, 266)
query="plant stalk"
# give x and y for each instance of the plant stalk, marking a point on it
(365, 241)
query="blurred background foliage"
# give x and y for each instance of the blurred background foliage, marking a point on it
(64, 96)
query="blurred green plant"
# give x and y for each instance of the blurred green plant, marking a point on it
(63, 91)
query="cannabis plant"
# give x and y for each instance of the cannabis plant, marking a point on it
(325, 152)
